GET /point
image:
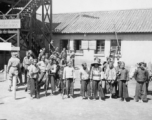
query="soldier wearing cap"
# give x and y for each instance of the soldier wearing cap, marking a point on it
(27, 62)
(13, 67)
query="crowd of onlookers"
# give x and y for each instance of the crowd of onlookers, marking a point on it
(96, 80)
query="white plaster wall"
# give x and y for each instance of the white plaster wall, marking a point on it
(135, 47)
(136, 51)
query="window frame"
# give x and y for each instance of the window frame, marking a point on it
(80, 50)
(116, 46)
(61, 42)
(101, 50)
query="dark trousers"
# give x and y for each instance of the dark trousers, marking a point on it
(141, 91)
(85, 88)
(104, 86)
(96, 86)
(47, 82)
(111, 87)
(123, 89)
(25, 76)
(53, 82)
(32, 86)
(63, 87)
(116, 88)
(41, 76)
(69, 86)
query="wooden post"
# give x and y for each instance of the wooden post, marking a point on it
(5, 72)
(14, 86)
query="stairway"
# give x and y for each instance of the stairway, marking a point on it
(26, 10)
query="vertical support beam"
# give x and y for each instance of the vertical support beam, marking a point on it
(43, 14)
(51, 19)
(18, 38)
(4, 58)
(107, 48)
(30, 33)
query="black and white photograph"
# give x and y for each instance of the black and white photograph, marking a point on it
(75, 59)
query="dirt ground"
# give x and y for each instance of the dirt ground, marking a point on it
(55, 108)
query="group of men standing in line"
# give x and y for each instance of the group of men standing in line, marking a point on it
(96, 80)
(105, 78)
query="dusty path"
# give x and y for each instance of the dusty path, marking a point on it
(54, 108)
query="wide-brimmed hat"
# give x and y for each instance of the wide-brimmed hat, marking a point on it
(96, 62)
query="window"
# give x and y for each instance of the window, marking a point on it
(100, 47)
(64, 44)
(114, 47)
(77, 46)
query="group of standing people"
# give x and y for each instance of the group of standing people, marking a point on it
(96, 81)
(101, 79)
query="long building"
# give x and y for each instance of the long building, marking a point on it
(94, 34)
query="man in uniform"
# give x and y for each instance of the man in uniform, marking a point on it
(13, 67)
(26, 62)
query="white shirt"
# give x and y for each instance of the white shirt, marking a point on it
(84, 74)
(111, 74)
(42, 66)
(68, 72)
(31, 71)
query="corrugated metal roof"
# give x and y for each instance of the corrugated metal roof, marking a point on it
(123, 21)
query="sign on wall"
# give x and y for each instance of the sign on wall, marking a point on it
(8, 47)
(10, 24)
(5, 46)
(89, 44)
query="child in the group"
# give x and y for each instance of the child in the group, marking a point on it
(96, 76)
(85, 81)
(111, 77)
(123, 79)
(141, 76)
(42, 65)
(53, 74)
(33, 71)
(118, 68)
(61, 81)
(69, 77)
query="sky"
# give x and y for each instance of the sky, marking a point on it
(71, 6)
